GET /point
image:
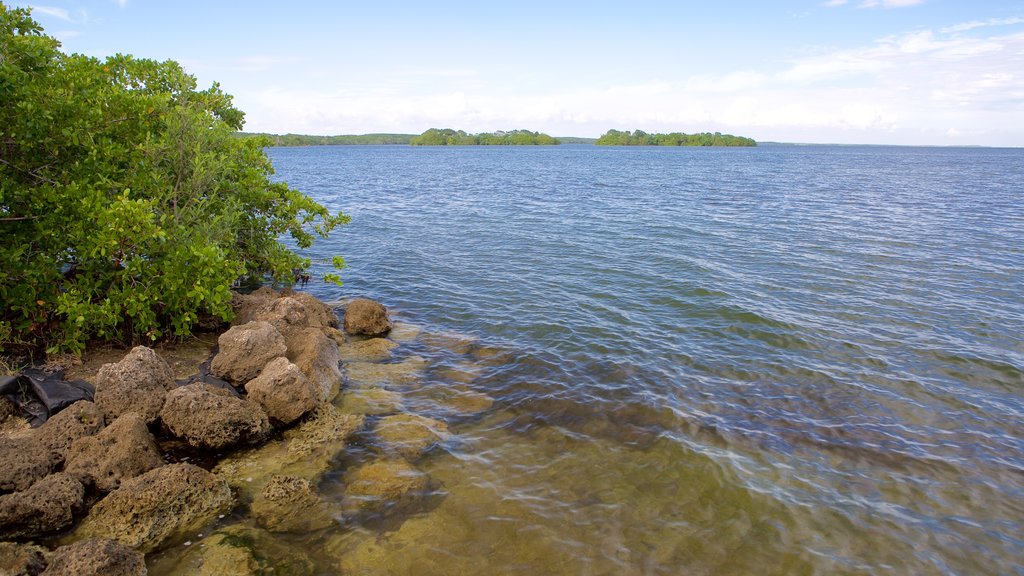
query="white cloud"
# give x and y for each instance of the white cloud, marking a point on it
(58, 13)
(889, 3)
(833, 3)
(981, 24)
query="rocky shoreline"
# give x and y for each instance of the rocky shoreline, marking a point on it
(96, 488)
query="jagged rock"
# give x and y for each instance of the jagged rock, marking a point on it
(248, 306)
(238, 550)
(245, 350)
(47, 506)
(296, 312)
(369, 374)
(138, 383)
(307, 451)
(290, 504)
(371, 401)
(403, 332)
(366, 318)
(382, 484)
(124, 449)
(22, 559)
(372, 350)
(283, 391)
(96, 557)
(209, 417)
(30, 457)
(159, 506)
(317, 357)
(410, 435)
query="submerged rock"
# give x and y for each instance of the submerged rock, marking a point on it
(46, 507)
(138, 383)
(239, 550)
(371, 401)
(371, 350)
(450, 341)
(96, 557)
(383, 484)
(124, 449)
(159, 506)
(366, 374)
(365, 317)
(283, 391)
(245, 350)
(466, 402)
(410, 435)
(290, 504)
(22, 559)
(403, 333)
(209, 417)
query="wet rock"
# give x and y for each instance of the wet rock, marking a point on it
(36, 453)
(367, 374)
(138, 383)
(239, 550)
(159, 506)
(462, 373)
(372, 350)
(290, 504)
(307, 451)
(371, 401)
(283, 391)
(450, 341)
(403, 332)
(317, 357)
(210, 417)
(46, 507)
(245, 350)
(366, 318)
(22, 559)
(96, 557)
(383, 484)
(124, 449)
(466, 402)
(410, 435)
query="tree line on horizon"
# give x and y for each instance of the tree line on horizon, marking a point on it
(641, 138)
(449, 137)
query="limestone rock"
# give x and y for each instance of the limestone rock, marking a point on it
(371, 401)
(159, 506)
(371, 350)
(138, 383)
(296, 312)
(316, 355)
(124, 449)
(367, 374)
(238, 550)
(283, 391)
(248, 306)
(245, 350)
(466, 402)
(366, 318)
(209, 417)
(83, 418)
(22, 559)
(30, 457)
(410, 435)
(47, 506)
(290, 504)
(96, 557)
(403, 332)
(382, 484)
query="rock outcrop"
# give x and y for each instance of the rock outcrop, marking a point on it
(209, 417)
(290, 504)
(22, 559)
(122, 450)
(159, 506)
(96, 557)
(245, 350)
(283, 391)
(138, 383)
(46, 507)
(365, 317)
(238, 550)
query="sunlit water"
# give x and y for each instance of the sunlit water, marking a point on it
(779, 360)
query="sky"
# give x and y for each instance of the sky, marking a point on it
(919, 72)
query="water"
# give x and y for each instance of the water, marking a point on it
(779, 360)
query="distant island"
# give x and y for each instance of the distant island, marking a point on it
(449, 137)
(641, 138)
(345, 139)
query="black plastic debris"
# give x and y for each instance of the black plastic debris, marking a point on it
(41, 394)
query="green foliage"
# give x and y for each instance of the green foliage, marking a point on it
(127, 205)
(347, 139)
(449, 137)
(641, 138)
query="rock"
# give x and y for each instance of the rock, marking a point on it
(403, 333)
(410, 435)
(81, 419)
(245, 350)
(307, 451)
(463, 373)
(37, 453)
(372, 350)
(162, 505)
(96, 557)
(371, 401)
(316, 312)
(467, 402)
(383, 484)
(317, 357)
(366, 318)
(124, 449)
(450, 341)
(368, 374)
(248, 306)
(290, 504)
(283, 391)
(209, 417)
(47, 506)
(22, 559)
(291, 313)
(238, 550)
(138, 383)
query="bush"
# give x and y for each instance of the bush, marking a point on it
(128, 206)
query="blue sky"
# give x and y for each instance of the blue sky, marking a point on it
(941, 72)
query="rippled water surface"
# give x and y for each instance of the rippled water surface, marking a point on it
(777, 360)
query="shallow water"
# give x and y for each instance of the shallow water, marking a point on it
(779, 360)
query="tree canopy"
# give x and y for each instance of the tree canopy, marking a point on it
(449, 137)
(127, 205)
(641, 138)
(344, 139)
